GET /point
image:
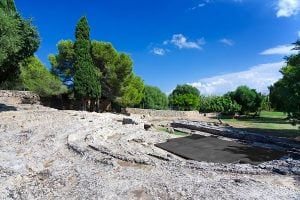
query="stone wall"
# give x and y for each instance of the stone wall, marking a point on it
(161, 113)
(18, 97)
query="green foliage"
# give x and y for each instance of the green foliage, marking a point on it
(104, 54)
(154, 98)
(248, 99)
(132, 93)
(185, 89)
(8, 6)
(86, 78)
(86, 66)
(116, 68)
(223, 104)
(10, 37)
(285, 93)
(35, 77)
(280, 97)
(19, 39)
(185, 102)
(265, 104)
(62, 64)
(184, 97)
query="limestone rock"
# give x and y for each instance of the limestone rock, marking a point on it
(170, 130)
(147, 126)
(53, 154)
(129, 121)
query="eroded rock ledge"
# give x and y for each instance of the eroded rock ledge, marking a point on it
(18, 97)
(51, 154)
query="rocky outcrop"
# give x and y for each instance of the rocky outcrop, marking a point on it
(129, 121)
(283, 167)
(18, 97)
(161, 113)
(51, 154)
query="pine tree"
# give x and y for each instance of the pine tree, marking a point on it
(86, 84)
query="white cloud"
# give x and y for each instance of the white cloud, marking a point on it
(165, 42)
(206, 2)
(180, 41)
(279, 50)
(287, 8)
(258, 77)
(227, 42)
(158, 51)
(200, 5)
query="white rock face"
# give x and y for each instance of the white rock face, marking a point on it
(51, 154)
(18, 97)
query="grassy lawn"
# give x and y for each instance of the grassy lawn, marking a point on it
(274, 123)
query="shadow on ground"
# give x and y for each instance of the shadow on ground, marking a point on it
(293, 134)
(283, 133)
(5, 108)
(264, 120)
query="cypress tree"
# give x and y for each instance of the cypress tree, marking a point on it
(86, 84)
(8, 6)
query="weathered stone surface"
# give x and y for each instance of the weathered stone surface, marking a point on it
(147, 126)
(170, 130)
(18, 97)
(51, 154)
(129, 121)
(288, 166)
(161, 113)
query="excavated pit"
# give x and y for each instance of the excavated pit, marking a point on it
(212, 149)
(212, 143)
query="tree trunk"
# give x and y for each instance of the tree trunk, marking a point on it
(97, 105)
(84, 102)
(92, 105)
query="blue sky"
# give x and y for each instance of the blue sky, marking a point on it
(214, 45)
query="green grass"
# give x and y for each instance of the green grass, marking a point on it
(274, 123)
(279, 115)
(176, 133)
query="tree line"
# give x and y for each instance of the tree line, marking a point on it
(93, 72)
(85, 70)
(243, 100)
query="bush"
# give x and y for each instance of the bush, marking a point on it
(154, 98)
(184, 97)
(223, 104)
(248, 99)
